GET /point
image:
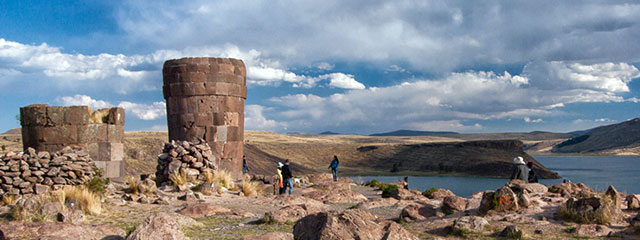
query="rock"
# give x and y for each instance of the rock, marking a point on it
(70, 216)
(440, 194)
(592, 230)
(506, 200)
(377, 203)
(270, 236)
(291, 213)
(419, 212)
(349, 224)
(633, 201)
(333, 195)
(453, 204)
(487, 203)
(524, 200)
(469, 223)
(404, 194)
(511, 232)
(189, 196)
(158, 226)
(570, 189)
(59, 230)
(198, 210)
(590, 210)
(613, 193)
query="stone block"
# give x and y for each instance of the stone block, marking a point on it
(115, 133)
(175, 89)
(225, 77)
(116, 116)
(111, 169)
(226, 68)
(76, 115)
(199, 89)
(203, 119)
(55, 116)
(231, 119)
(33, 115)
(192, 104)
(64, 134)
(186, 119)
(199, 76)
(110, 151)
(234, 134)
(221, 135)
(187, 89)
(194, 133)
(95, 132)
(208, 103)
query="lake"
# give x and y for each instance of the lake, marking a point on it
(596, 172)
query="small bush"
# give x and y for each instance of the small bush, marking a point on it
(178, 178)
(372, 183)
(208, 176)
(386, 189)
(132, 184)
(4, 147)
(97, 185)
(251, 188)
(88, 201)
(223, 178)
(9, 199)
(429, 192)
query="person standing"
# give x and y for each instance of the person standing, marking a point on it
(287, 177)
(245, 168)
(405, 183)
(532, 174)
(280, 180)
(521, 171)
(334, 167)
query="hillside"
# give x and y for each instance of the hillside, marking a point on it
(613, 138)
(411, 133)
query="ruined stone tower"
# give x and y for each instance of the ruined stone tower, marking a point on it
(101, 132)
(205, 99)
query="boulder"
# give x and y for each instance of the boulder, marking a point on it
(570, 189)
(613, 193)
(333, 196)
(511, 232)
(291, 213)
(633, 201)
(158, 226)
(469, 224)
(453, 204)
(524, 200)
(487, 203)
(377, 203)
(271, 236)
(592, 230)
(590, 210)
(440, 194)
(405, 194)
(198, 210)
(70, 216)
(419, 212)
(59, 230)
(349, 224)
(506, 200)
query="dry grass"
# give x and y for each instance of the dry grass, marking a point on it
(133, 186)
(178, 178)
(208, 176)
(88, 201)
(603, 215)
(35, 212)
(223, 178)
(252, 188)
(9, 199)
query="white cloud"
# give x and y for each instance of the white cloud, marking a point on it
(341, 80)
(529, 120)
(446, 125)
(153, 111)
(255, 120)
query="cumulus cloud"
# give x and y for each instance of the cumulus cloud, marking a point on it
(458, 101)
(428, 35)
(152, 111)
(255, 120)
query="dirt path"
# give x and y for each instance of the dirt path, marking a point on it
(368, 192)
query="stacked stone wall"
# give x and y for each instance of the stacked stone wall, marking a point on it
(34, 172)
(192, 158)
(101, 132)
(205, 100)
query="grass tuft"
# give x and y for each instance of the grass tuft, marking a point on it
(178, 178)
(429, 192)
(9, 199)
(208, 176)
(386, 189)
(88, 202)
(223, 178)
(133, 186)
(252, 188)
(603, 215)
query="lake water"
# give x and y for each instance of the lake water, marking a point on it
(596, 172)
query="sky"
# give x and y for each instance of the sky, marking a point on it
(357, 66)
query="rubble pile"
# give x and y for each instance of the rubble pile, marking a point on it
(190, 158)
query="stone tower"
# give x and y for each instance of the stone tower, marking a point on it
(205, 99)
(101, 132)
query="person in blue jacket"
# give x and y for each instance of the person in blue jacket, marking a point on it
(334, 167)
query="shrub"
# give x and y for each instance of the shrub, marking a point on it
(132, 184)
(251, 188)
(98, 185)
(87, 201)
(9, 199)
(386, 189)
(429, 192)
(4, 147)
(605, 214)
(372, 183)
(208, 176)
(223, 178)
(178, 178)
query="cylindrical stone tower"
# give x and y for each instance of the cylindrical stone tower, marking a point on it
(205, 99)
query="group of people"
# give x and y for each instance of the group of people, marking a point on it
(524, 171)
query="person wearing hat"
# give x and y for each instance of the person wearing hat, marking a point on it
(280, 180)
(521, 171)
(287, 177)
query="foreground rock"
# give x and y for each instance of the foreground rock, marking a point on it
(350, 224)
(51, 230)
(199, 210)
(271, 236)
(469, 224)
(419, 212)
(158, 226)
(291, 213)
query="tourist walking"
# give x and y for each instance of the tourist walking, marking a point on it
(280, 180)
(245, 168)
(334, 167)
(533, 178)
(520, 171)
(287, 177)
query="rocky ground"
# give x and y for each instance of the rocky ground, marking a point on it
(322, 209)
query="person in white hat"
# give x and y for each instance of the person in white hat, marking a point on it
(521, 171)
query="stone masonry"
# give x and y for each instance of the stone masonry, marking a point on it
(205, 100)
(101, 132)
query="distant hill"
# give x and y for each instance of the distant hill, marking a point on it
(13, 131)
(329, 133)
(615, 136)
(411, 133)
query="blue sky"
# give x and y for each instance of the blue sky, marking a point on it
(343, 66)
